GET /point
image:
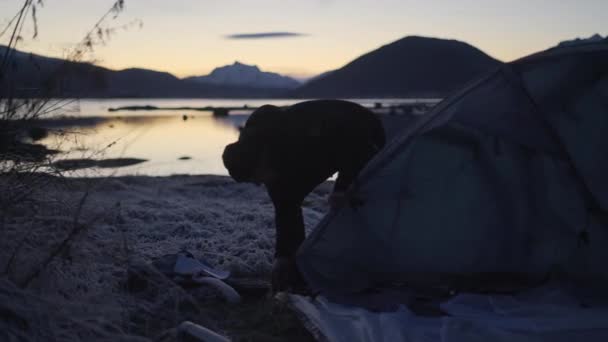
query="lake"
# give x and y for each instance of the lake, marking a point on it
(171, 142)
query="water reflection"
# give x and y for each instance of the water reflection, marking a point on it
(170, 144)
(171, 141)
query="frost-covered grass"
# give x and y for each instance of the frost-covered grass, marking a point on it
(92, 288)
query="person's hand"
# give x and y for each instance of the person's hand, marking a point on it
(285, 275)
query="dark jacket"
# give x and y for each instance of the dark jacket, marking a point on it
(292, 150)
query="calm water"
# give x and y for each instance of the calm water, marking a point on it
(99, 107)
(160, 137)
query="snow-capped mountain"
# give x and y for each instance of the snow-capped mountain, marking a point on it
(239, 74)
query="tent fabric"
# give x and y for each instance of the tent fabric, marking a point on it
(545, 314)
(506, 178)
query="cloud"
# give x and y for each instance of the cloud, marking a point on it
(264, 35)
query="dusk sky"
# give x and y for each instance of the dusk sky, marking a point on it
(301, 37)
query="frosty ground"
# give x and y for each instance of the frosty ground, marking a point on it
(81, 254)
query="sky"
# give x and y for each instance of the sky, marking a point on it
(300, 38)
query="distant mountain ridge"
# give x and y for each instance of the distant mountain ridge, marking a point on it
(591, 39)
(239, 74)
(316, 77)
(410, 67)
(32, 75)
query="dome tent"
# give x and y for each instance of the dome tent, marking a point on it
(505, 179)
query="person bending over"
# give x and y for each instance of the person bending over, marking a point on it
(294, 149)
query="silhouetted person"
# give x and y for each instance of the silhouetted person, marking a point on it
(293, 150)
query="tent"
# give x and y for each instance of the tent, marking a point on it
(498, 198)
(505, 183)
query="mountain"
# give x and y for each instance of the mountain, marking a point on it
(30, 75)
(410, 67)
(592, 39)
(239, 74)
(319, 76)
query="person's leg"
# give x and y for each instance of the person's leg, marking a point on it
(290, 233)
(289, 227)
(289, 236)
